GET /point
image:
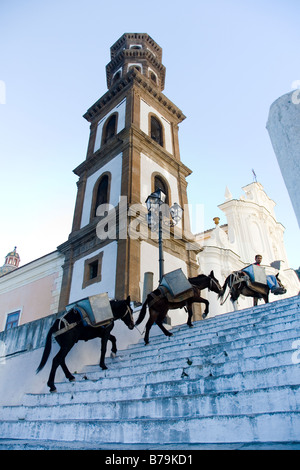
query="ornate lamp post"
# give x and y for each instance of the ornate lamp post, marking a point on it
(154, 204)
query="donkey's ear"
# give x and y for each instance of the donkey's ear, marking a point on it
(211, 274)
(128, 300)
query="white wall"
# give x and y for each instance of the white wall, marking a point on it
(284, 129)
(108, 276)
(253, 227)
(149, 263)
(148, 167)
(115, 168)
(33, 289)
(121, 110)
(144, 113)
(17, 372)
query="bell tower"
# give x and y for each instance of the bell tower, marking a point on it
(139, 52)
(133, 150)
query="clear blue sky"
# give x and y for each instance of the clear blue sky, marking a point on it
(226, 61)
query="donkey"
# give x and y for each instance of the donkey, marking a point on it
(238, 284)
(77, 331)
(159, 305)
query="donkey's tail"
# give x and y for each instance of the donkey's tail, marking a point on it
(47, 346)
(221, 295)
(142, 313)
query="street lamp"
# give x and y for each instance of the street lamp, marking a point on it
(154, 204)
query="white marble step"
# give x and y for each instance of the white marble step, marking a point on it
(190, 366)
(247, 317)
(276, 399)
(229, 379)
(263, 427)
(172, 385)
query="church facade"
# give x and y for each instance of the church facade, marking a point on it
(251, 228)
(133, 150)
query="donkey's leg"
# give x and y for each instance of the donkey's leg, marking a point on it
(206, 311)
(159, 323)
(190, 315)
(104, 334)
(104, 340)
(266, 298)
(67, 372)
(152, 319)
(234, 298)
(57, 361)
(51, 378)
(163, 329)
(103, 352)
(113, 340)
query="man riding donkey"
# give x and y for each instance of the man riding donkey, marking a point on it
(251, 281)
(272, 282)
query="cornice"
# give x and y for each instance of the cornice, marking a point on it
(143, 143)
(148, 146)
(144, 36)
(133, 77)
(102, 156)
(140, 55)
(83, 241)
(250, 204)
(131, 53)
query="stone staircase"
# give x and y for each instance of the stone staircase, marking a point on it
(231, 379)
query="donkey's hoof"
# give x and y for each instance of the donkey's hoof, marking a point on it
(72, 378)
(53, 390)
(113, 355)
(190, 325)
(103, 367)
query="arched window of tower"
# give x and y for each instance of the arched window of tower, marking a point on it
(159, 183)
(135, 67)
(110, 128)
(153, 77)
(101, 192)
(117, 76)
(156, 131)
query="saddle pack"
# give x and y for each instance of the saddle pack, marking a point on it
(176, 287)
(94, 311)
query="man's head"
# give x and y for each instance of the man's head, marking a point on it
(258, 259)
